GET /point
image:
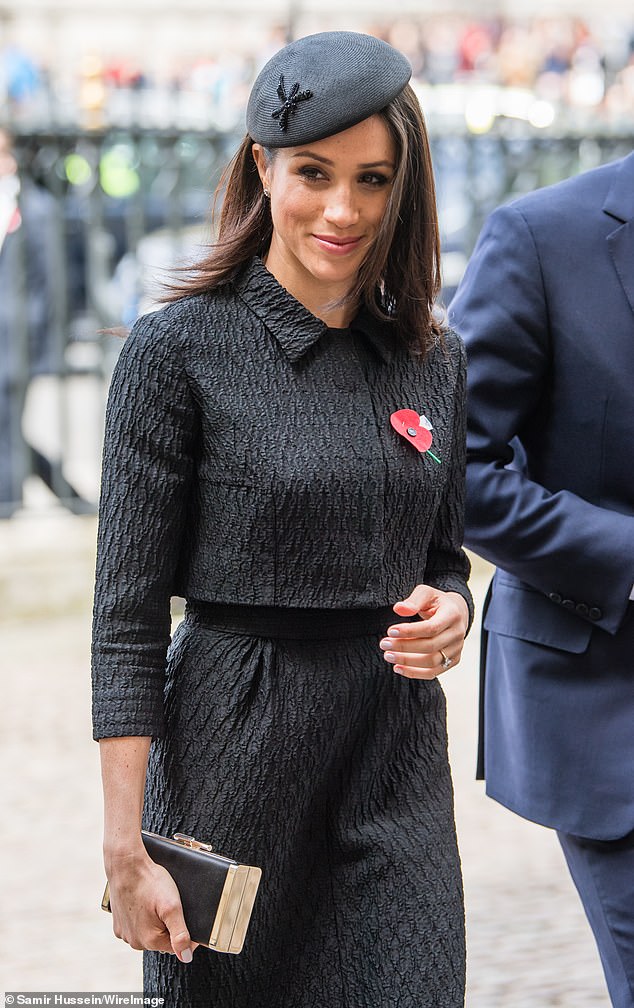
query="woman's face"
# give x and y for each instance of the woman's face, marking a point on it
(327, 201)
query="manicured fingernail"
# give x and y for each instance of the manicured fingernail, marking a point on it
(187, 955)
(399, 669)
(385, 643)
(393, 632)
(390, 656)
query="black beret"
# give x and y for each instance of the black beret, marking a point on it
(323, 84)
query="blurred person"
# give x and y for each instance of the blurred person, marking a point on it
(27, 252)
(517, 56)
(440, 45)
(257, 462)
(22, 80)
(555, 42)
(405, 35)
(476, 48)
(546, 308)
(586, 79)
(619, 97)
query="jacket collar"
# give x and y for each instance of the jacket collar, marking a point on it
(293, 326)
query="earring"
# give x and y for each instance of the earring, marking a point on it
(267, 194)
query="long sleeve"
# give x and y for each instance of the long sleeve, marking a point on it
(149, 448)
(448, 566)
(542, 517)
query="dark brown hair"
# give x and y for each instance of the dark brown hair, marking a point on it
(398, 281)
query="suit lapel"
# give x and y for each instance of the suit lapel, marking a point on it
(621, 245)
(619, 204)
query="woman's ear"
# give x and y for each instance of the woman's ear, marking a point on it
(260, 163)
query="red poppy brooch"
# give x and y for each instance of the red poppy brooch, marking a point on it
(416, 429)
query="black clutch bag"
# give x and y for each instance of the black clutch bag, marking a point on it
(217, 893)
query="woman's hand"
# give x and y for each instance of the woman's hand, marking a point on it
(146, 906)
(425, 648)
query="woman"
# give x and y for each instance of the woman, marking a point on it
(253, 465)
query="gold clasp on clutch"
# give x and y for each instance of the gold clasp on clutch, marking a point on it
(189, 841)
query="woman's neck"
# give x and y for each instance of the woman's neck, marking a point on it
(326, 301)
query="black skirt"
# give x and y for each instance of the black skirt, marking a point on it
(292, 745)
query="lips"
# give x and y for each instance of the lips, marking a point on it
(339, 246)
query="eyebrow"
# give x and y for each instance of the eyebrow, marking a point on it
(327, 161)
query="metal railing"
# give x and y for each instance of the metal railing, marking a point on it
(125, 205)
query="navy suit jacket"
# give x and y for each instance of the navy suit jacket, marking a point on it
(546, 308)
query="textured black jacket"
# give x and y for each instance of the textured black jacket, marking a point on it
(249, 459)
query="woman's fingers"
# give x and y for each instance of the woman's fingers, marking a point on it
(423, 599)
(418, 673)
(435, 662)
(181, 943)
(422, 666)
(448, 641)
(425, 647)
(147, 913)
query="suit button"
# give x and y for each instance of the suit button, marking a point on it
(595, 613)
(582, 609)
(555, 597)
(568, 603)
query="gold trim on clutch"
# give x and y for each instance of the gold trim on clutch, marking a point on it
(234, 908)
(189, 841)
(105, 899)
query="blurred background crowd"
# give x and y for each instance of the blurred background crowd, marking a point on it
(551, 68)
(196, 72)
(117, 118)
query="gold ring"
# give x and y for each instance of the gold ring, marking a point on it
(446, 660)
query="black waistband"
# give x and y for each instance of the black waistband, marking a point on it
(292, 623)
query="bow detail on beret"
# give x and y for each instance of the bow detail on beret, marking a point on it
(289, 102)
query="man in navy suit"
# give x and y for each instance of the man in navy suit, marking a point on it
(546, 308)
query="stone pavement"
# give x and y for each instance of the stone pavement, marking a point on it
(529, 946)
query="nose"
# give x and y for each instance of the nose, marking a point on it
(341, 208)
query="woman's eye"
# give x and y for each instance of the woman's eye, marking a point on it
(311, 173)
(374, 179)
